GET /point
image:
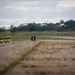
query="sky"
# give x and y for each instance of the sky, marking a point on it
(16, 12)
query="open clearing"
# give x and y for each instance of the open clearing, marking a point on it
(52, 57)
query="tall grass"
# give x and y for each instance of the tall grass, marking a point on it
(39, 35)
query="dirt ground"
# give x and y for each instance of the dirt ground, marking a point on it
(55, 57)
(12, 51)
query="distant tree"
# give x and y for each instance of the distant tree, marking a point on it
(65, 26)
(2, 29)
(13, 28)
(62, 21)
(70, 24)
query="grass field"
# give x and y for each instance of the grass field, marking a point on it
(40, 35)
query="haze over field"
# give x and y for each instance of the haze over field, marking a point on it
(20, 11)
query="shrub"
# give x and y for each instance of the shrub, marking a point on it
(42, 72)
(33, 66)
(73, 59)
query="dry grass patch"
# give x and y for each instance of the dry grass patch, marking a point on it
(73, 46)
(61, 65)
(65, 59)
(43, 72)
(73, 59)
(33, 66)
(25, 66)
(20, 58)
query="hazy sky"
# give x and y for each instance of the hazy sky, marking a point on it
(20, 11)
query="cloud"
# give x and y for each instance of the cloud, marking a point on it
(20, 11)
(67, 3)
(30, 5)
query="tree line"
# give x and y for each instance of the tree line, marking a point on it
(60, 26)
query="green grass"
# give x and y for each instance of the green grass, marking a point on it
(40, 35)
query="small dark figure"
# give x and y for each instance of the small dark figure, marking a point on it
(33, 38)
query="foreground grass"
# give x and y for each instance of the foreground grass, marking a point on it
(21, 58)
(40, 35)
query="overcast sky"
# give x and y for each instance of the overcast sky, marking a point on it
(20, 11)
